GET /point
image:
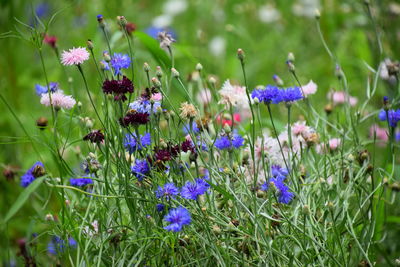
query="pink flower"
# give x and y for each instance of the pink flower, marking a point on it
(381, 134)
(204, 96)
(59, 100)
(233, 95)
(340, 97)
(334, 143)
(156, 97)
(236, 118)
(310, 88)
(74, 56)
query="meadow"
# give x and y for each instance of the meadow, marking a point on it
(200, 133)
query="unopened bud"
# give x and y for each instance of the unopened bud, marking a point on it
(256, 100)
(156, 83)
(216, 229)
(317, 14)
(277, 80)
(89, 44)
(290, 57)
(328, 108)
(330, 205)
(41, 123)
(240, 54)
(212, 80)
(291, 66)
(106, 56)
(338, 72)
(49, 217)
(146, 67)
(122, 21)
(175, 73)
(306, 210)
(227, 128)
(101, 22)
(199, 67)
(159, 72)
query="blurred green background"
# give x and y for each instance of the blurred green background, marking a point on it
(209, 32)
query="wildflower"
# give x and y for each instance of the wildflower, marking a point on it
(392, 116)
(168, 191)
(131, 143)
(160, 207)
(80, 182)
(226, 142)
(309, 89)
(118, 87)
(144, 105)
(95, 136)
(74, 56)
(227, 121)
(57, 245)
(233, 95)
(104, 65)
(267, 95)
(130, 28)
(120, 61)
(340, 97)
(380, 133)
(204, 96)
(140, 169)
(58, 100)
(195, 128)
(279, 174)
(134, 118)
(191, 190)
(177, 218)
(165, 39)
(36, 171)
(41, 123)
(289, 95)
(188, 111)
(389, 70)
(44, 89)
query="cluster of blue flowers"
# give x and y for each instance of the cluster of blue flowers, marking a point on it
(120, 61)
(131, 143)
(31, 174)
(80, 182)
(140, 169)
(273, 94)
(392, 116)
(279, 175)
(57, 246)
(226, 142)
(145, 106)
(40, 89)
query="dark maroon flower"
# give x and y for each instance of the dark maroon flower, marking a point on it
(118, 88)
(130, 27)
(50, 40)
(134, 118)
(162, 155)
(9, 172)
(188, 145)
(95, 136)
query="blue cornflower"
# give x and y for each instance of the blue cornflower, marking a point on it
(224, 142)
(267, 95)
(131, 144)
(278, 171)
(191, 190)
(80, 182)
(169, 191)
(279, 174)
(144, 106)
(42, 10)
(120, 61)
(40, 89)
(290, 94)
(104, 65)
(57, 245)
(393, 116)
(160, 207)
(177, 218)
(140, 169)
(195, 129)
(34, 172)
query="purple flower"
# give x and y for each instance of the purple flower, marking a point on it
(169, 191)
(80, 182)
(160, 207)
(177, 218)
(191, 190)
(57, 245)
(195, 129)
(237, 140)
(392, 116)
(140, 169)
(131, 144)
(145, 106)
(290, 94)
(34, 172)
(120, 61)
(267, 95)
(224, 142)
(40, 89)
(279, 174)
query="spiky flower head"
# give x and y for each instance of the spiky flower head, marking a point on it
(74, 56)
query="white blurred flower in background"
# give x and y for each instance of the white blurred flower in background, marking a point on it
(175, 7)
(268, 14)
(217, 46)
(306, 8)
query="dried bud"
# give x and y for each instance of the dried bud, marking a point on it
(188, 111)
(395, 186)
(9, 173)
(328, 108)
(42, 123)
(216, 229)
(49, 218)
(240, 55)
(306, 210)
(38, 171)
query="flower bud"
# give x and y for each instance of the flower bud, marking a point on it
(122, 21)
(338, 72)
(306, 210)
(156, 82)
(291, 66)
(175, 73)
(159, 72)
(317, 14)
(41, 123)
(256, 100)
(101, 22)
(89, 44)
(49, 217)
(106, 56)
(290, 57)
(277, 80)
(240, 54)
(199, 67)
(216, 229)
(227, 128)
(146, 67)
(212, 80)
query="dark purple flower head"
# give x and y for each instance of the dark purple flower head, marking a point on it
(134, 118)
(177, 218)
(118, 88)
(160, 207)
(95, 136)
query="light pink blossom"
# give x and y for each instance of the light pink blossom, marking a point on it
(234, 95)
(59, 100)
(334, 143)
(74, 56)
(156, 97)
(310, 88)
(340, 97)
(381, 134)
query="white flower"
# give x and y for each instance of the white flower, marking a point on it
(233, 95)
(268, 14)
(217, 46)
(309, 89)
(174, 7)
(59, 100)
